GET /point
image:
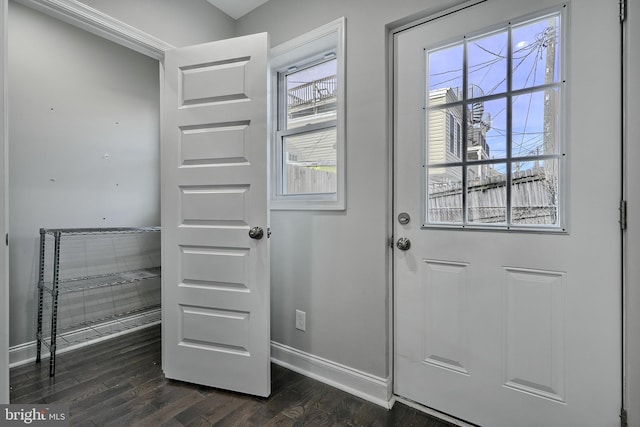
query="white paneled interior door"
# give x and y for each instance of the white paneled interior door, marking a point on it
(507, 309)
(215, 276)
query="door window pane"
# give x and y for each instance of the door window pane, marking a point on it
(487, 130)
(443, 143)
(444, 195)
(445, 74)
(536, 53)
(534, 124)
(486, 194)
(534, 193)
(487, 65)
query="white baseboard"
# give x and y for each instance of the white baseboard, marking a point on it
(26, 353)
(366, 386)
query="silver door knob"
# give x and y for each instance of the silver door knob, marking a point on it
(256, 233)
(403, 244)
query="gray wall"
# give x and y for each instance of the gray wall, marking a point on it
(335, 265)
(178, 22)
(74, 97)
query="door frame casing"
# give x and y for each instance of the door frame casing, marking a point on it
(4, 209)
(631, 338)
(92, 20)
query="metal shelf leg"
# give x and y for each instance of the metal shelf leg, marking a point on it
(40, 296)
(54, 303)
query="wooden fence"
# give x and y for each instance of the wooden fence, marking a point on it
(305, 180)
(534, 194)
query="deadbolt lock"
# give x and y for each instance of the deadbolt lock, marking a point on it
(404, 218)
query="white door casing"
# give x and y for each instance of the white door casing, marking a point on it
(4, 209)
(215, 278)
(508, 328)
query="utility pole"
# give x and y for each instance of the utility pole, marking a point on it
(551, 95)
(550, 143)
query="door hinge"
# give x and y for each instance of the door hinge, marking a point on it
(6, 239)
(623, 215)
(624, 422)
(623, 10)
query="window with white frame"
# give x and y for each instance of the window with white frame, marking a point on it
(505, 87)
(308, 140)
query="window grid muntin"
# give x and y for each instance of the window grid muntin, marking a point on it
(509, 106)
(465, 119)
(466, 101)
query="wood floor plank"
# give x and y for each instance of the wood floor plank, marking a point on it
(280, 420)
(37, 394)
(212, 409)
(169, 408)
(120, 383)
(241, 416)
(114, 404)
(24, 391)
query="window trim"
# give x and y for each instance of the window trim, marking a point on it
(563, 88)
(302, 51)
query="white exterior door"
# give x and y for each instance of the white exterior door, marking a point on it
(215, 277)
(499, 321)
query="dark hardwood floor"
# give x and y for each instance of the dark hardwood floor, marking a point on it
(120, 383)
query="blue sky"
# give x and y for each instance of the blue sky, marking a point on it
(487, 64)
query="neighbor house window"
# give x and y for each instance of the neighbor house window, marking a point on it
(451, 134)
(506, 86)
(458, 140)
(308, 141)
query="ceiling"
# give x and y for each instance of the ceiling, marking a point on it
(236, 8)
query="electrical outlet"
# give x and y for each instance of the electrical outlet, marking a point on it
(301, 320)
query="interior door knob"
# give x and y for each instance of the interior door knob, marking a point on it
(256, 233)
(403, 244)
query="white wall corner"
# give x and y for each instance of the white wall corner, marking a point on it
(361, 384)
(82, 16)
